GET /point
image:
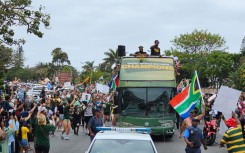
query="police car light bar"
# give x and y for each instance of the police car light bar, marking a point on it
(140, 130)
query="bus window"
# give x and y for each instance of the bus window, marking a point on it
(133, 101)
(158, 101)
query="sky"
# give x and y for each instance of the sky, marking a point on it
(85, 29)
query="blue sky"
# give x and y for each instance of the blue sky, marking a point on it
(86, 29)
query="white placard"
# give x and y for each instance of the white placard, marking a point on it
(99, 87)
(106, 89)
(67, 85)
(84, 96)
(226, 103)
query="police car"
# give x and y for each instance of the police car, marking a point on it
(122, 140)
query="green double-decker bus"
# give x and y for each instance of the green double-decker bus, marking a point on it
(146, 86)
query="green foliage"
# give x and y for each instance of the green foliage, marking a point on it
(198, 42)
(237, 78)
(96, 75)
(219, 66)
(215, 66)
(19, 13)
(18, 58)
(88, 66)
(243, 47)
(110, 59)
(23, 74)
(5, 57)
(59, 57)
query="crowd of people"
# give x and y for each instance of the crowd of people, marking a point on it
(233, 138)
(27, 119)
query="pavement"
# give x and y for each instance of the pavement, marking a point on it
(80, 143)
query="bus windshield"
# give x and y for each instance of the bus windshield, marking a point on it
(150, 102)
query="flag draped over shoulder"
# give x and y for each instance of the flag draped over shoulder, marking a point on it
(190, 97)
(113, 84)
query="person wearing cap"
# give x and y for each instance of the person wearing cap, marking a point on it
(193, 137)
(140, 52)
(234, 137)
(95, 121)
(155, 50)
(187, 122)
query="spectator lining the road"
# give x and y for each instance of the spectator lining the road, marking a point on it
(234, 138)
(22, 137)
(94, 122)
(42, 144)
(194, 137)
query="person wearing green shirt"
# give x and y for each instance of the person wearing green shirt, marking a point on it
(106, 111)
(42, 143)
(66, 120)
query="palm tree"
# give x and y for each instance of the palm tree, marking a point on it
(112, 57)
(59, 57)
(88, 66)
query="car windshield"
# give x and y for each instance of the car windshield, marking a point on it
(122, 146)
(151, 102)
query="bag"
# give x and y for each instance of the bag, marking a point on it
(3, 136)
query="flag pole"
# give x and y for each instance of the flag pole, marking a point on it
(199, 86)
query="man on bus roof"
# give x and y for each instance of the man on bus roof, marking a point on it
(140, 52)
(155, 50)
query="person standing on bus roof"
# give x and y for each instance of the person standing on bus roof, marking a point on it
(140, 52)
(155, 50)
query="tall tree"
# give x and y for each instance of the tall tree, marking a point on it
(18, 58)
(5, 59)
(59, 57)
(199, 42)
(237, 78)
(88, 66)
(219, 66)
(243, 47)
(20, 13)
(5, 56)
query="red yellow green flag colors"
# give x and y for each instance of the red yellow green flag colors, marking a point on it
(190, 97)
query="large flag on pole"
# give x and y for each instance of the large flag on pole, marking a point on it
(113, 84)
(186, 101)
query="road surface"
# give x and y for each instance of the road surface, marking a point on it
(80, 143)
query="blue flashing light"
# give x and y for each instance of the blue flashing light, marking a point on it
(140, 130)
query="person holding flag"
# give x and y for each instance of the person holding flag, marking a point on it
(185, 102)
(113, 84)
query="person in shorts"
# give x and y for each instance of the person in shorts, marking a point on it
(88, 113)
(67, 119)
(61, 115)
(22, 137)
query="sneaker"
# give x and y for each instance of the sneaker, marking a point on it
(67, 138)
(62, 137)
